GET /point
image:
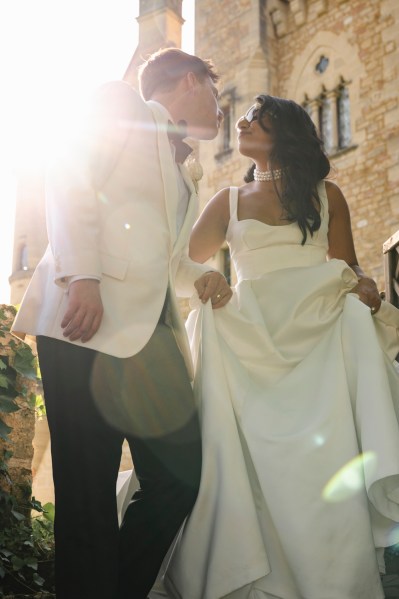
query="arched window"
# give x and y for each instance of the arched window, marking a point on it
(344, 117)
(226, 128)
(326, 128)
(330, 111)
(227, 102)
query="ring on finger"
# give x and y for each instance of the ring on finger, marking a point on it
(218, 296)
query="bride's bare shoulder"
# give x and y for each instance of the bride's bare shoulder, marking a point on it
(245, 189)
(219, 203)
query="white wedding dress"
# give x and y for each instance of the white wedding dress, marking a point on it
(299, 404)
(299, 401)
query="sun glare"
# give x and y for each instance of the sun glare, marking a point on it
(58, 52)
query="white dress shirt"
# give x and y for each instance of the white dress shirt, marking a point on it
(181, 184)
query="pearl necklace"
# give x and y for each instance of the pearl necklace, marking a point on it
(267, 175)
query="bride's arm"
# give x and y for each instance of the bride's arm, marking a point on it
(209, 232)
(341, 246)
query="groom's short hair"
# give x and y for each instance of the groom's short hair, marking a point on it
(164, 69)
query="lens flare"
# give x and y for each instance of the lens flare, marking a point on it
(349, 480)
(103, 198)
(319, 440)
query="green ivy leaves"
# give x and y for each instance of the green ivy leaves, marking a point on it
(26, 543)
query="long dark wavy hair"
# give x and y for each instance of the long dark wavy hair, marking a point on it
(298, 150)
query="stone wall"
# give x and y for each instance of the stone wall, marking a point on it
(360, 40)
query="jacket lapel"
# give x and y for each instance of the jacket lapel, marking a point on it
(191, 214)
(167, 167)
(170, 183)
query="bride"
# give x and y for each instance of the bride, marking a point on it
(297, 387)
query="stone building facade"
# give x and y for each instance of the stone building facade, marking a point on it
(339, 59)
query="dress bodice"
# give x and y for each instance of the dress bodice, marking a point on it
(257, 248)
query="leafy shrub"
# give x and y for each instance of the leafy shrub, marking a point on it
(26, 541)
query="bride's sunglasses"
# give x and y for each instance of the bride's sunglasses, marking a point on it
(252, 114)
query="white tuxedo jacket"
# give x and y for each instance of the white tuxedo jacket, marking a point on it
(111, 213)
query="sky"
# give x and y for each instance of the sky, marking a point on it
(54, 53)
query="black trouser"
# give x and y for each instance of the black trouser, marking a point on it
(94, 558)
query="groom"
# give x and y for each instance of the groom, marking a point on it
(112, 347)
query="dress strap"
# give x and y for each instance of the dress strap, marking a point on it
(233, 202)
(321, 188)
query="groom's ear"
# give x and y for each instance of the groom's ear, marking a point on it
(191, 81)
(185, 85)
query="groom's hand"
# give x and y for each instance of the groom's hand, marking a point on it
(85, 310)
(212, 285)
